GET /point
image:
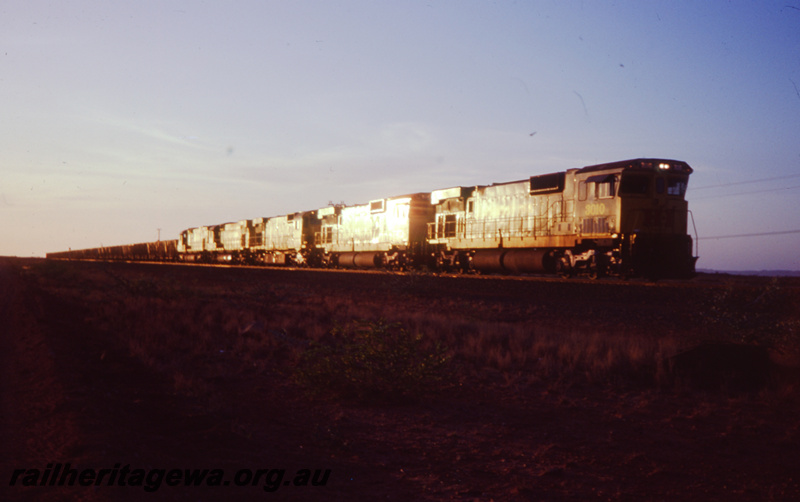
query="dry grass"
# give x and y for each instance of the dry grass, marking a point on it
(546, 401)
(197, 333)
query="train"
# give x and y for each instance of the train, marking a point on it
(627, 219)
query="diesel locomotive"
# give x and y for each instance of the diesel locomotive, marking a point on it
(627, 218)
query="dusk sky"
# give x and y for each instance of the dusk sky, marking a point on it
(123, 118)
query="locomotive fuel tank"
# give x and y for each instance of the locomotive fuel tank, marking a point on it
(515, 261)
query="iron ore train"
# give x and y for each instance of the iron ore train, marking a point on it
(625, 218)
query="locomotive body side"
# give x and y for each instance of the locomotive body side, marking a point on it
(512, 227)
(215, 243)
(198, 244)
(382, 233)
(231, 238)
(284, 240)
(191, 243)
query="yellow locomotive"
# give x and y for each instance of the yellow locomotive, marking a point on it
(622, 218)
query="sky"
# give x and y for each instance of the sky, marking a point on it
(126, 122)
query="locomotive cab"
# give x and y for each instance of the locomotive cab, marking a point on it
(632, 218)
(653, 219)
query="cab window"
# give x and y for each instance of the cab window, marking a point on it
(605, 188)
(676, 186)
(634, 184)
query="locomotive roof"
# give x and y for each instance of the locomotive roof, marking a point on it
(645, 164)
(642, 164)
(415, 195)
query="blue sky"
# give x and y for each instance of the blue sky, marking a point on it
(122, 118)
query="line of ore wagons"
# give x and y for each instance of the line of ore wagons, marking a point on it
(626, 217)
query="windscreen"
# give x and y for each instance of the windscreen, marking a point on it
(634, 184)
(676, 185)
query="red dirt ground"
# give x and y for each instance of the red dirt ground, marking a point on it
(73, 392)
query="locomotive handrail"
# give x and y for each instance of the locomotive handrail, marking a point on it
(516, 226)
(696, 239)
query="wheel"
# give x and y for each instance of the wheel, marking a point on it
(563, 270)
(594, 273)
(563, 266)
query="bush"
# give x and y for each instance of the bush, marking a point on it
(765, 315)
(369, 360)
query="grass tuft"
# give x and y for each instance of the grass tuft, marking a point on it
(374, 359)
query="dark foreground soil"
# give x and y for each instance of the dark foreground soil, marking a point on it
(102, 368)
